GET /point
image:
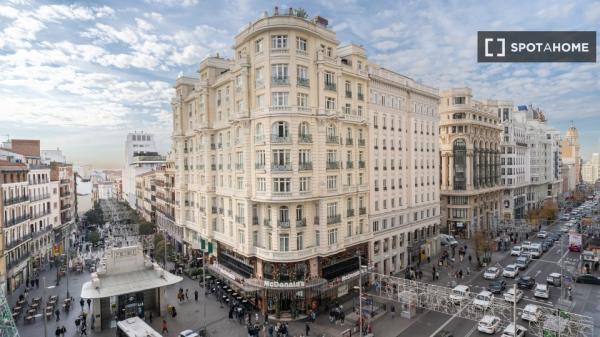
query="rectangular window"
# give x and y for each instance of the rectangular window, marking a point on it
(459, 100)
(279, 99)
(331, 183)
(260, 101)
(301, 43)
(280, 157)
(300, 241)
(304, 184)
(281, 185)
(329, 78)
(279, 71)
(284, 242)
(332, 209)
(279, 41)
(304, 156)
(258, 46)
(240, 183)
(261, 185)
(302, 100)
(333, 236)
(329, 103)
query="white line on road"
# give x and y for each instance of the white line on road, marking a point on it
(449, 320)
(471, 331)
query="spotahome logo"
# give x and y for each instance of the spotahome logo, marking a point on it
(536, 46)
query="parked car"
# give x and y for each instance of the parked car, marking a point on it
(510, 331)
(516, 250)
(554, 279)
(483, 300)
(531, 313)
(526, 282)
(587, 278)
(489, 324)
(542, 234)
(492, 273)
(510, 271)
(497, 287)
(511, 296)
(522, 262)
(188, 333)
(541, 291)
(459, 293)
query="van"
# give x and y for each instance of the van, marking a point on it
(541, 291)
(535, 250)
(483, 300)
(531, 313)
(448, 240)
(459, 293)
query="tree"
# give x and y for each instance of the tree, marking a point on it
(95, 216)
(549, 210)
(93, 237)
(533, 216)
(481, 245)
(146, 228)
(159, 250)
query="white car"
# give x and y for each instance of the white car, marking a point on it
(483, 300)
(510, 331)
(510, 296)
(516, 251)
(531, 313)
(489, 324)
(492, 273)
(188, 333)
(459, 293)
(542, 234)
(542, 291)
(510, 271)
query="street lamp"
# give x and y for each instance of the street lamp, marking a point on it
(360, 311)
(44, 310)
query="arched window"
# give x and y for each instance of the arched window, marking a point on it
(284, 215)
(280, 129)
(459, 150)
(304, 129)
(331, 130)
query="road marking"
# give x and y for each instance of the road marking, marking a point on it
(471, 331)
(449, 320)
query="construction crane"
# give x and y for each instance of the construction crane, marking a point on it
(8, 328)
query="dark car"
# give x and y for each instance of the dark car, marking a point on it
(550, 242)
(497, 287)
(587, 278)
(526, 282)
(444, 333)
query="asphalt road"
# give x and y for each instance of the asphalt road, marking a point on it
(586, 298)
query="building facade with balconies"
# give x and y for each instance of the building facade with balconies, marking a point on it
(271, 153)
(470, 170)
(40, 208)
(165, 205)
(15, 219)
(404, 196)
(63, 174)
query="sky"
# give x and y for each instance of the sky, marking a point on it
(81, 75)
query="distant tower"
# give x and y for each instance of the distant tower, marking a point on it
(570, 152)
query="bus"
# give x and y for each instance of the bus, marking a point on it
(135, 327)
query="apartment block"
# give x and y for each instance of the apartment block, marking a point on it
(271, 154)
(404, 169)
(470, 171)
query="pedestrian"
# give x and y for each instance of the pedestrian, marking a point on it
(393, 311)
(81, 302)
(27, 283)
(63, 331)
(307, 329)
(84, 330)
(57, 332)
(164, 327)
(77, 322)
(186, 295)
(57, 314)
(428, 259)
(271, 330)
(196, 295)
(437, 275)
(468, 270)
(89, 303)
(150, 317)
(470, 258)
(460, 274)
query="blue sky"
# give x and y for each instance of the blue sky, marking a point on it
(80, 75)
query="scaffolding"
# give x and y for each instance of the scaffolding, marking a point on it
(437, 298)
(8, 327)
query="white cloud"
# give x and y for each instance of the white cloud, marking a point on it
(174, 3)
(386, 45)
(154, 16)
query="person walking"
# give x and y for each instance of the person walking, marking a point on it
(164, 327)
(63, 331)
(186, 295)
(89, 303)
(83, 330)
(57, 332)
(433, 273)
(307, 329)
(393, 311)
(81, 303)
(470, 258)
(57, 314)
(196, 295)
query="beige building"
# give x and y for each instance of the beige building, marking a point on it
(571, 158)
(590, 171)
(271, 153)
(404, 170)
(470, 169)
(145, 193)
(165, 204)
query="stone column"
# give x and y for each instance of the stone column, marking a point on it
(97, 314)
(451, 172)
(469, 175)
(444, 170)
